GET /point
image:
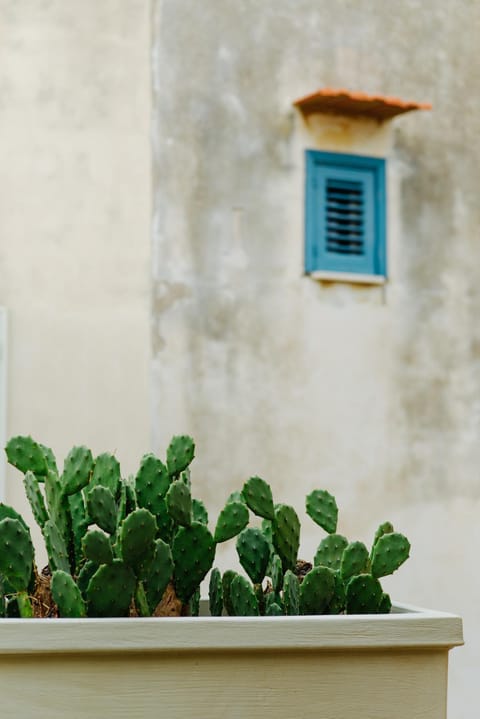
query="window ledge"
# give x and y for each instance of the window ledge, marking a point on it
(347, 277)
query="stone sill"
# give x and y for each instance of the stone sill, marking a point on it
(349, 277)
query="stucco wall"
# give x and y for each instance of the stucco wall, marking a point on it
(373, 393)
(75, 224)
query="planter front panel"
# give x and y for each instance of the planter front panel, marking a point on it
(369, 684)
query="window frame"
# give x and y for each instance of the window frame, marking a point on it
(319, 166)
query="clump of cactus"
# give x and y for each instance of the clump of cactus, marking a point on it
(141, 546)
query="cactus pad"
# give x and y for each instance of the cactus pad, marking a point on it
(286, 535)
(193, 552)
(57, 550)
(330, 551)
(215, 593)
(337, 603)
(77, 470)
(35, 498)
(364, 595)
(101, 508)
(322, 508)
(67, 595)
(152, 483)
(180, 453)
(232, 519)
(199, 511)
(385, 606)
(137, 535)
(179, 503)
(291, 593)
(26, 455)
(275, 572)
(390, 551)
(317, 591)
(157, 573)
(274, 610)
(254, 553)
(258, 497)
(16, 553)
(97, 547)
(355, 560)
(110, 590)
(242, 596)
(227, 580)
(106, 472)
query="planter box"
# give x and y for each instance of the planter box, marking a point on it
(328, 667)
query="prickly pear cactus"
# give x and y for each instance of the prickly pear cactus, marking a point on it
(286, 535)
(180, 453)
(258, 496)
(330, 551)
(141, 546)
(232, 519)
(254, 553)
(322, 508)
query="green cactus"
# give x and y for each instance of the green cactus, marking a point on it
(389, 553)
(179, 503)
(85, 575)
(232, 519)
(199, 511)
(355, 560)
(258, 496)
(236, 497)
(385, 605)
(107, 473)
(274, 610)
(364, 595)
(77, 470)
(137, 536)
(67, 595)
(330, 551)
(193, 552)
(227, 580)
(79, 523)
(57, 550)
(180, 453)
(317, 591)
(151, 484)
(322, 508)
(97, 547)
(275, 572)
(215, 593)
(194, 603)
(337, 602)
(254, 553)
(11, 513)
(110, 590)
(16, 553)
(243, 599)
(291, 593)
(26, 455)
(156, 573)
(286, 535)
(101, 508)
(35, 498)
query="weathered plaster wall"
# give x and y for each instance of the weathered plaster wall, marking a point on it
(74, 223)
(373, 393)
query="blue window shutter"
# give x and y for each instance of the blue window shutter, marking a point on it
(345, 214)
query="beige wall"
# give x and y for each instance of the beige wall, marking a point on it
(372, 393)
(75, 223)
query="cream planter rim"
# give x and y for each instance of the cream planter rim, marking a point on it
(350, 667)
(407, 626)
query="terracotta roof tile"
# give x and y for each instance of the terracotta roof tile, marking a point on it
(345, 102)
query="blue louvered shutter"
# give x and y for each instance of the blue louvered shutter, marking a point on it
(345, 209)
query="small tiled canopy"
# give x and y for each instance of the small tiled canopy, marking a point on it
(359, 104)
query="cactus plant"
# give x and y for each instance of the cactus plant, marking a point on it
(141, 546)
